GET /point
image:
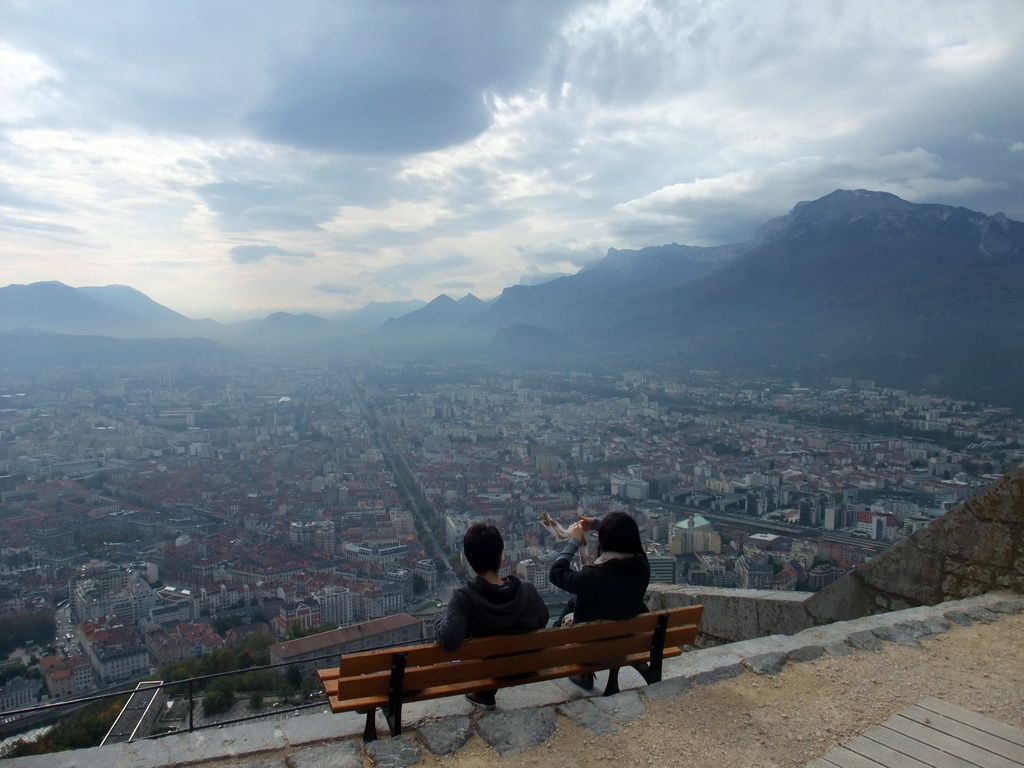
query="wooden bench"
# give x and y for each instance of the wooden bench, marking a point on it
(390, 677)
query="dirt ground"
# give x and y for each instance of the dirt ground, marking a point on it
(798, 715)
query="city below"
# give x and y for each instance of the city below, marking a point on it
(156, 514)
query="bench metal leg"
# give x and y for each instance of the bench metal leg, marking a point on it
(394, 710)
(370, 729)
(657, 649)
(613, 682)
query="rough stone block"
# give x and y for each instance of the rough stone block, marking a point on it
(958, 617)
(586, 715)
(806, 653)
(838, 648)
(900, 634)
(770, 663)
(864, 640)
(936, 625)
(669, 688)
(1007, 606)
(622, 707)
(445, 736)
(980, 613)
(397, 752)
(914, 628)
(518, 730)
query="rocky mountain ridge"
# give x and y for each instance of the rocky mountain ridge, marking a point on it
(856, 283)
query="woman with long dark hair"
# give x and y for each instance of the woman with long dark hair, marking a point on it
(614, 586)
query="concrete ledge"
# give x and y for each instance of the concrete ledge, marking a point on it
(529, 705)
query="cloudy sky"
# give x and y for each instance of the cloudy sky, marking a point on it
(237, 157)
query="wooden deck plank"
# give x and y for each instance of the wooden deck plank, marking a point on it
(845, 758)
(884, 754)
(972, 754)
(982, 723)
(920, 750)
(968, 733)
(823, 762)
(931, 734)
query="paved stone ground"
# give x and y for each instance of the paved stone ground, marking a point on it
(449, 732)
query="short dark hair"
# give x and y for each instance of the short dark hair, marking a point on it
(483, 546)
(618, 532)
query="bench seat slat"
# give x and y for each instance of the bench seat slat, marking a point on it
(379, 660)
(472, 686)
(510, 665)
(361, 681)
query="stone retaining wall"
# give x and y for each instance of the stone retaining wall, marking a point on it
(737, 614)
(975, 548)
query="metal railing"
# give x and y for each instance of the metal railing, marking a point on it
(38, 729)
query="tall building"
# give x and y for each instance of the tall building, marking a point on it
(694, 534)
(754, 571)
(663, 569)
(537, 574)
(337, 605)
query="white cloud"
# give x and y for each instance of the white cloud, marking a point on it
(247, 254)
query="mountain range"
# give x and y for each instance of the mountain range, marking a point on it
(856, 283)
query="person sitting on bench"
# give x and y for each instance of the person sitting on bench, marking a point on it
(614, 586)
(488, 605)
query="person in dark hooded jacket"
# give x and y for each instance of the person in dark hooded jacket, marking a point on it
(489, 604)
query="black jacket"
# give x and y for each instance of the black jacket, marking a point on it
(480, 608)
(613, 590)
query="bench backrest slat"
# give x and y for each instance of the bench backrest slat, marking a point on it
(379, 660)
(601, 654)
(602, 644)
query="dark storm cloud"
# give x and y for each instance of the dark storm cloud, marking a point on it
(351, 77)
(410, 80)
(247, 254)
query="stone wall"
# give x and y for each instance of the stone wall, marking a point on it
(731, 615)
(975, 548)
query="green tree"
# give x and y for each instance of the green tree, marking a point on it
(26, 629)
(85, 728)
(294, 677)
(256, 700)
(217, 700)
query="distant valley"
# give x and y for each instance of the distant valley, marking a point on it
(859, 284)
